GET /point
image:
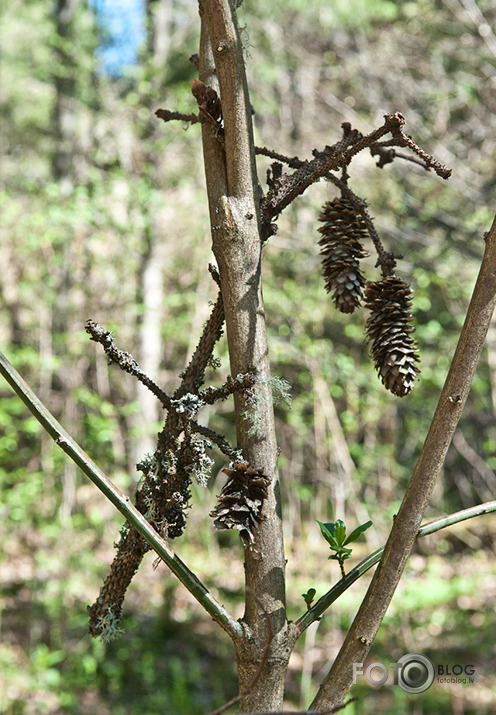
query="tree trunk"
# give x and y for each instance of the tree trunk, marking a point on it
(234, 214)
(64, 80)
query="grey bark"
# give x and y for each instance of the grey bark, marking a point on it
(233, 202)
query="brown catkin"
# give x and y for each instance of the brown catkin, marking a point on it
(389, 330)
(341, 248)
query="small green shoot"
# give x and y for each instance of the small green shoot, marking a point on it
(309, 596)
(335, 535)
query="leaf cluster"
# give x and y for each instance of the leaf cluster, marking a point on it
(335, 535)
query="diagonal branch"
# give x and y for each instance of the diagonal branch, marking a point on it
(406, 524)
(192, 377)
(429, 161)
(124, 360)
(118, 499)
(336, 157)
(319, 607)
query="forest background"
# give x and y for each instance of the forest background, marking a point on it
(104, 216)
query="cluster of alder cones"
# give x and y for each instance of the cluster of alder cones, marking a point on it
(389, 332)
(389, 327)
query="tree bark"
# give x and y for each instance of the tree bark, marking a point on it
(232, 189)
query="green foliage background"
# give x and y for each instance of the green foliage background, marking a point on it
(95, 192)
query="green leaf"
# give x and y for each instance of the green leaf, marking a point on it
(356, 533)
(340, 532)
(309, 596)
(328, 533)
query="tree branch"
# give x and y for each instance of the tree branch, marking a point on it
(339, 156)
(119, 500)
(406, 524)
(320, 606)
(124, 360)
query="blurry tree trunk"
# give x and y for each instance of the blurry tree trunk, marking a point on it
(64, 81)
(63, 171)
(159, 19)
(150, 297)
(150, 270)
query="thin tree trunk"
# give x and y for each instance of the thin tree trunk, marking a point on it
(233, 201)
(64, 81)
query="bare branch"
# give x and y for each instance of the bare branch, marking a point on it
(167, 116)
(440, 169)
(294, 161)
(217, 439)
(336, 157)
(407, 521)
(193, 375)
(232, 385)
(124, 360)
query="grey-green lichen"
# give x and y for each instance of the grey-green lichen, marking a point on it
(108, 626)
(279, 392)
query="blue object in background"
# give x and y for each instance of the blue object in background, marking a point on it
(122, 26)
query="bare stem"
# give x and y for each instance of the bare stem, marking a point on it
(233, 195)
(406, 524)
(167, 116)
(124, 360)
(440, 169)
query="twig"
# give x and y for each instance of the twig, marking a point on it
(118, 499)
(339, 156)
(167, 116)
(213, 394)
(319, 607)
(406, 524)
(388, 155)
(440, 169)
(217, 439)
(294, 161)
(124, 360)
(193, 375)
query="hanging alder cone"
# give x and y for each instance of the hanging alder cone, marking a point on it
(241, 500)
(341, 250)
(389, 331)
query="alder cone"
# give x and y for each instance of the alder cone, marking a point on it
(341, 249)
(241, 500)
(389, 332)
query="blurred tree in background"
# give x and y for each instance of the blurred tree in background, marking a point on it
(104, 217)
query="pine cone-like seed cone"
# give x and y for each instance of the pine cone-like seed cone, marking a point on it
(341, 249)
(389, 331)
(241, 500)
